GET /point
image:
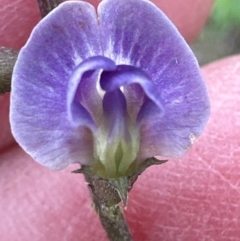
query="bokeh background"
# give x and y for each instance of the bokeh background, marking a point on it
(221, 34)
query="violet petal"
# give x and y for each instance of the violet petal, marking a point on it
(115, 115)
(76, 111)
(38, 115)
(137, 33)
(126, 75)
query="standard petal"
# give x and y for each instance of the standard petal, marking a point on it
(63, 39)
(137, 33)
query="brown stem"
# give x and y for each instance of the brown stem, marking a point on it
(46, 6)
(8, 58)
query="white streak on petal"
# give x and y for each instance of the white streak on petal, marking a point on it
(192, 138)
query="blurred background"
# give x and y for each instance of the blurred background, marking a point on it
(221, 35)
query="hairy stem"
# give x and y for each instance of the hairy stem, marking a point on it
(8, 58)
(108, 193)
(106, 198)
(114, 223)
(46, 6)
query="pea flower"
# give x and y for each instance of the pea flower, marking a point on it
(107, 89)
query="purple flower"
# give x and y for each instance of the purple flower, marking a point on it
(107, 89)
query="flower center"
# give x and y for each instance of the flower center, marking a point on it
(116, 135)
(117, 140)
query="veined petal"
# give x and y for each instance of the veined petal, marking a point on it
(38, 114)
(186, 114)
(137, 33)
(187, 110)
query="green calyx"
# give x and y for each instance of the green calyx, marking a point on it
(113, 190)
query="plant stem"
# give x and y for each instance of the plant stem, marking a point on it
(8, 58)
(114, 223)
(106, 198)
(108, 193)
(46, 6)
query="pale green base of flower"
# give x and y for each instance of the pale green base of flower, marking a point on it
(115, 157)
